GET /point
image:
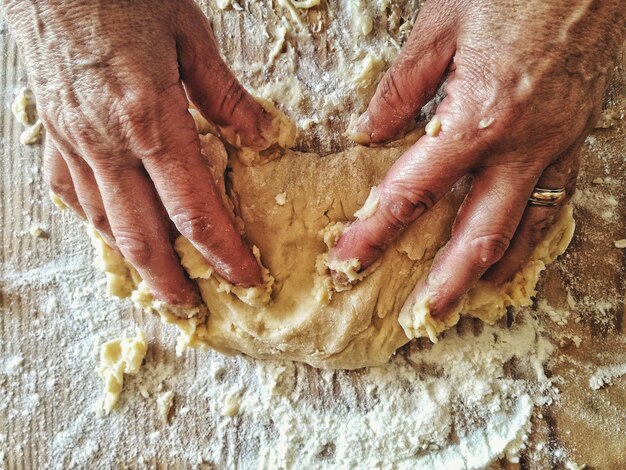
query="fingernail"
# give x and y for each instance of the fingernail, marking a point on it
(417, 293)
(363, 125)
(431, 288)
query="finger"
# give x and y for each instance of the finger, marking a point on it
(88, 193)
(141, 229)
(414, 77)
(415, 182)
(536, 220)
(481, 234)
(58, 177)
(186, 187)
(213, 88)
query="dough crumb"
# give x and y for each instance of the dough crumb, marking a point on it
(279, 378)
(620, 243)
(38, 232)
(57, 201)
(369, 71)
(433, 127)
(164, 405)
(281, 199)
(231, 404)
(570, 465)
(557, 316)
(577, 340)
(370, 206)
(202, 125)
(608, 118)
(305, 4)
(118, 357)
(31, 135)
(363, 22)
(23, 107)
(485, 123)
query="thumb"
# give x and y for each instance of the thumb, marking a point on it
(414, 77)
(213, 87)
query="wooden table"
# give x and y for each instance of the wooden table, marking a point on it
(35, 288)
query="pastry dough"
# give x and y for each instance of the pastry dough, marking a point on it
(298, 314)
(118, 357)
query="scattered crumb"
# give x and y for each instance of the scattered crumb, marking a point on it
(281, 199)
(620, 243)
(38, 232)
(574, 466)
(433, 127)
(164, 404)
(222, 4)
(118, 357)
(604, 375)
(607, 119)
(557, 316)
(31, 135)
(231, 403)
(23, 107)
(485, 123)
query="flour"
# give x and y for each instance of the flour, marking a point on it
(402, 422)
(605, 375)
(53, 298)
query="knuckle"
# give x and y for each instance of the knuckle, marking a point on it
(97, 217)
(233, 97)
(403, 203)
(134, 246)
(389, 90)
(537, 229)
(196, 227)
(73, 125)
(152, 126)
(488, 249)
(58, 186)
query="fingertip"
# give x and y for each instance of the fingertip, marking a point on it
(248, 273)
(356, 242)
(184, 295)
(363, 128)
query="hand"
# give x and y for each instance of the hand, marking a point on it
(122, 148)
(525, 80)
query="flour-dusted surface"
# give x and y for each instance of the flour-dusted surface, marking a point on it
(476, 383)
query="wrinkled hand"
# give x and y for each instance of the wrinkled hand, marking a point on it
(525, 81)
(121, 147)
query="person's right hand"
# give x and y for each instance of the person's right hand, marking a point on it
(524, 86)
(121, 148)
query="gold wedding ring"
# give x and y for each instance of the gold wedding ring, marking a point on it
(547, 197)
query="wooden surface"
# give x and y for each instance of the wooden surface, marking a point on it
(590, 425)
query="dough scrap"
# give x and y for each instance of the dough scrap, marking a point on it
(299, 314)
(118, 357)
(165, 401)
(23, 107)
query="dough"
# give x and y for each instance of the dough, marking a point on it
(298, 314)
(165, 401)
(118, 357)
